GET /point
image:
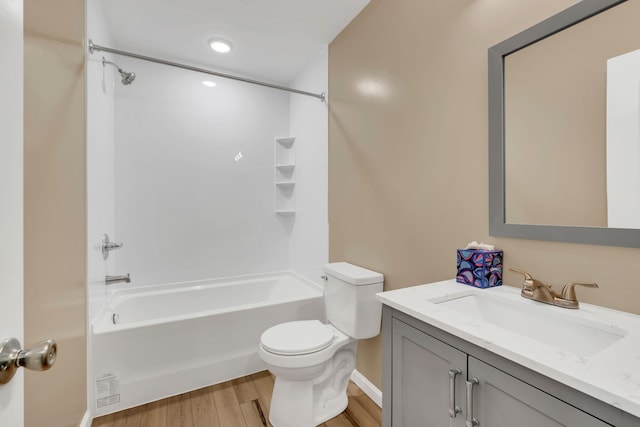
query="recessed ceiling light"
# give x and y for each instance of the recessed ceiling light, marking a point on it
(209, 83)
(220, 45)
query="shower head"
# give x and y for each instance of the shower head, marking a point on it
(127, 77)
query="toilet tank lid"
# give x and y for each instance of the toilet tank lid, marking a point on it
(352, 273)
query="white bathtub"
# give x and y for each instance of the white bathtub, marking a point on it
(170, 339)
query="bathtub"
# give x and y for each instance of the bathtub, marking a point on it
(152, 342)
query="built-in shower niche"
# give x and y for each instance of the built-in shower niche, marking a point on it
(284, 176)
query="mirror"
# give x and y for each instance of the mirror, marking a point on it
(563, 128)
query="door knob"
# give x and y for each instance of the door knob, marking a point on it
(40, 357)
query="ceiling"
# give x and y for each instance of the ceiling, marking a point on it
(272, 39)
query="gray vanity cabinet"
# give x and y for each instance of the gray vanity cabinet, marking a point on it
(419, 363)
(421, 379)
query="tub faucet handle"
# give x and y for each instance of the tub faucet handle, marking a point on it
(109, 246)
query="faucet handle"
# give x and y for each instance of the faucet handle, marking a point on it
(106, 246)
(526, 275)
(527, 284)
(528, 279)
(535, 289)
(569, 293)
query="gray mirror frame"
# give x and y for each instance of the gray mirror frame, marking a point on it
(497, 215)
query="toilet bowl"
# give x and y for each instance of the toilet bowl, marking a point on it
(313, 361)
(312, 373)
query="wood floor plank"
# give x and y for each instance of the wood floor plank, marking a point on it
(354, 390)
(186, 409)
(357, 413)
(229, 412)
(365, 401)
(134, 415)
(339, 421)
(173, 411)
(104, 421)
(254, 415)
(263, 382)
(230, 405)
(245, 390)
(179, 412)
(370, 407)
(264, 407)
(205, 413)
(154, 414)
(120, 419)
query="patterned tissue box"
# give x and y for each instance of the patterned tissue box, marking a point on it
(479, 268)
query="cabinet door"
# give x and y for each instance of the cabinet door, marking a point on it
(421, 380)
(500, 400)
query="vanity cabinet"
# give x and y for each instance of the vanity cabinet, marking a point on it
(428, 375)
(421, 380)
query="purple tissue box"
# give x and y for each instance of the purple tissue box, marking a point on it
(482, 269)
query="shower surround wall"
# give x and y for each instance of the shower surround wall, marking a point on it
(187, 205)
(164, 179)
(308, 122)
(101, 86)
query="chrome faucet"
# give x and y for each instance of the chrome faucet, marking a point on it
(110, 280)
(538, 291)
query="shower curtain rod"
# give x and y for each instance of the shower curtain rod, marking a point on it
(94, 47)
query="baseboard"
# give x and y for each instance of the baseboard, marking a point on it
(367, 387)
(86, 420)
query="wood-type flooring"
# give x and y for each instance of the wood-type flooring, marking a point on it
(243, 402)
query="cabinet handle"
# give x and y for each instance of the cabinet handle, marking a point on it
(471, 422)
(453, 409)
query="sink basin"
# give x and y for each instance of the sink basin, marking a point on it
(537, 321)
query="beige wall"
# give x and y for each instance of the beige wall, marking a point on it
(408, 152)
(55, 207)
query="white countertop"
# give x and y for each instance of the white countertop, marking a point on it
(611, 375)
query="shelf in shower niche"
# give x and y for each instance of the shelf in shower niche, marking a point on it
(286, 142)
(285, 168)
(284, 178)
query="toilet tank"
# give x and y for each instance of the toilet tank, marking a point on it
(350, 299)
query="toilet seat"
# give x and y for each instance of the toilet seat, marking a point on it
(305, 360)
(297, 338)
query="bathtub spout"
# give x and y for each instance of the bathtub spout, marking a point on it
(110, 280)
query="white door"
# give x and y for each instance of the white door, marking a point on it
(11, 187)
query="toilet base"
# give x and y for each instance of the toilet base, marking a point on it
(311, 402)
(291, 412)
(332, 409)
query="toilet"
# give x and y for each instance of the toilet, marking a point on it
(312, 361)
